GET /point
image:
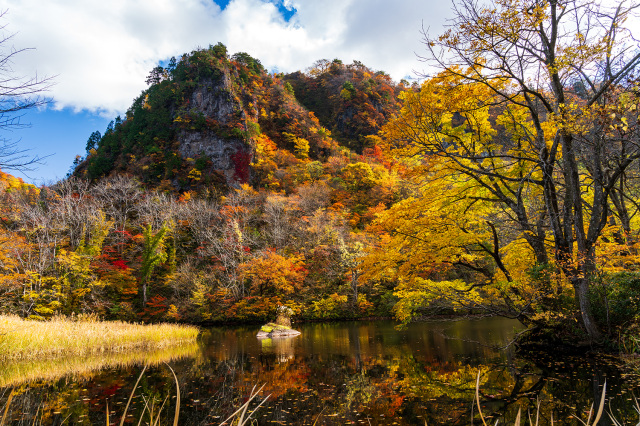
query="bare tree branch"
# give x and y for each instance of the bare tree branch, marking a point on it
(17, 95)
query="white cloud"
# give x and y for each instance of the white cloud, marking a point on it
(102, 51)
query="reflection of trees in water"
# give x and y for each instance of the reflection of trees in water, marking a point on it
(359, 373)
(283, 347)
(574, 382)
(562, 386)
(17, 372)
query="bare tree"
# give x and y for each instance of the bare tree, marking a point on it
(120, 196)
(157, 209)
(70, 204)
(279, 216)
(17, 94)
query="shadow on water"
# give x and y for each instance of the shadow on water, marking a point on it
(336, 373)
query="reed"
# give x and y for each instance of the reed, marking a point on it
(240, 417)
(26, 339)
(592, 419)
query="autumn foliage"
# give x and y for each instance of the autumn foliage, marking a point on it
(227, 190)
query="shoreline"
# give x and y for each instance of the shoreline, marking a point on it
(442, 317)
(22, 339)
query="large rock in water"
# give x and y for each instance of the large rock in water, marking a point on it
(272, 330)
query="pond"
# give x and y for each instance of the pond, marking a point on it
(332, 374)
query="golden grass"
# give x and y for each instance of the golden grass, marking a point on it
(26, 339)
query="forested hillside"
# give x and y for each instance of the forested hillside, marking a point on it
(350, 100)
(217, 197)
(213, 120)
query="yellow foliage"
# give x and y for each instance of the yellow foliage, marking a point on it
(329, 307)
(10, 183)
(301, 148)
(359, 176)
(420, 293)
(444, 143)
(265, 150)
(195, 174)
(145, 103)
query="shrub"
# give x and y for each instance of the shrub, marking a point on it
(616, 300)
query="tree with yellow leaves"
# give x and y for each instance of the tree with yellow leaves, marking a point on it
(527, 113)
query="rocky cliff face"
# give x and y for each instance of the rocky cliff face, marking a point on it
(230, 156)
(223, 153)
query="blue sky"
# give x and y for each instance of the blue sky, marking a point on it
(99, 53)
(58, 135)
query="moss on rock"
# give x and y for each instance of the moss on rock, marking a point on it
(268, 328)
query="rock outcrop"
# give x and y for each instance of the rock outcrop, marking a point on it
(215, 101)
(273, 330)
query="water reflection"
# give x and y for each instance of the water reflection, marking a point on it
(346, 373)
(283, 347)
(20, 372)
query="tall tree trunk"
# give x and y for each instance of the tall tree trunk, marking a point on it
(144, 295)
(581, 275)
(581, 281)
(581, 288)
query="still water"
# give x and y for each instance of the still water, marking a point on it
(333, 374)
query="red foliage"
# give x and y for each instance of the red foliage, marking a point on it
(374, 152)
(242, 165)
(111, 390)
(125, 233)
(254, 308)
(156, 307)
(120, 264)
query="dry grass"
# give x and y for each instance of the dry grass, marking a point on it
(240, 416)
(592, 419)
(26, 339)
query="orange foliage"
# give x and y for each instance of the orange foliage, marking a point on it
(272, 274)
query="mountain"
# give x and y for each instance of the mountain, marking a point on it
(352, 101)
(214, 120)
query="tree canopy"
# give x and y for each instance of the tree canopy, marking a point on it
(529, 129)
